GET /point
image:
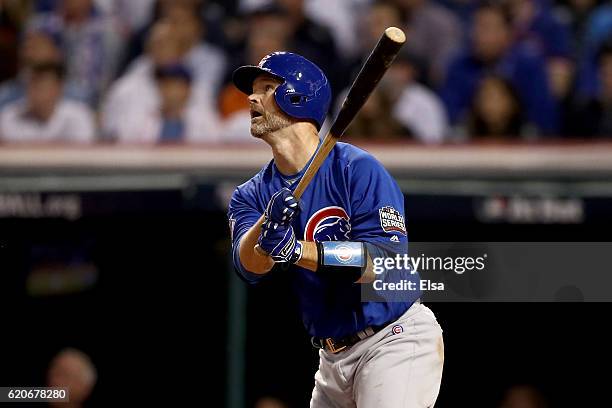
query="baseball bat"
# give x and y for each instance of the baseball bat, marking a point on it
(369, 76)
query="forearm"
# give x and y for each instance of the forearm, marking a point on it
(252, 260)
(310, 261)
(310, 256)
(255, 262)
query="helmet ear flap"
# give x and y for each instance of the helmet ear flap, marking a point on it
(289, 100)
(280, 96)
(297, 99)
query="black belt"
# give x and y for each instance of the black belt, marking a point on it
(338, 345)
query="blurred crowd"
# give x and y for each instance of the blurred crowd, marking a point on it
(154, 71)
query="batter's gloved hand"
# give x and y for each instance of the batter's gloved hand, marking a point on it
(282, 208)
(338, 230)
(279, 242)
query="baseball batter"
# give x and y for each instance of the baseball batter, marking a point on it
(383, 353)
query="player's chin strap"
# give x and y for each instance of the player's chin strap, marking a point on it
(341, 253)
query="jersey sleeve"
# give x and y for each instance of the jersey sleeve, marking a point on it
(377, 208)
(242, 215)
(377, 219)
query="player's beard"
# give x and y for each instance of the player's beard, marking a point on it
(269, 123)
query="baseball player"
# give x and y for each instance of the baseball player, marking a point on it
(381, 353)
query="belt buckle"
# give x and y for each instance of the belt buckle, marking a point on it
(331, 346)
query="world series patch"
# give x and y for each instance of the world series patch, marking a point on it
(391, 220)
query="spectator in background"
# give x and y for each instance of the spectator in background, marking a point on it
(598, 30)
(136, 44)
(267, 31)
(136, 94)
(37, 47)
(43, 115)
(313, 41)
(91, 43)
(434, 34)
(599, 26)
(575, 15)
(523, 396)
(419, 110)
(496, 111)
(308, 35)
(133, 14)
(538, 28)
(340, 17)
(593, 117)
(376, 18)
(561, 81)
(409, 109)
(401, 107)
(463, 9)
(74, 370)
(492, 52)
(270, 402)
(13, 14)
(205, 61)
(176, 117)
(375, 121)
(164, 46)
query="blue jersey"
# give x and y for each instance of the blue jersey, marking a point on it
(350, 187)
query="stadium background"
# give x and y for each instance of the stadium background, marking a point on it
(117, 245)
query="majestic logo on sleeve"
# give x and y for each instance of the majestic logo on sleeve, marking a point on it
(232, 223)
(328, 224)
(391, 220)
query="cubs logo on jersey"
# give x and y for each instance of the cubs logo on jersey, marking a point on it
(328, 224)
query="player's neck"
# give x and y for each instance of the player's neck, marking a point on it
(293, 147)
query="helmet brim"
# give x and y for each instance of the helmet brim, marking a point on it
(244, 77)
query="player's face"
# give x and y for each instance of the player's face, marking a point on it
(266, 116)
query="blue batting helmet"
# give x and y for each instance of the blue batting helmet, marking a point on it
(304, 93)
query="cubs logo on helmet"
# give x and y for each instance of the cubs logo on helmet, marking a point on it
(328, 224)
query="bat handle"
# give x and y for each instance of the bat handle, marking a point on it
(260, 250)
